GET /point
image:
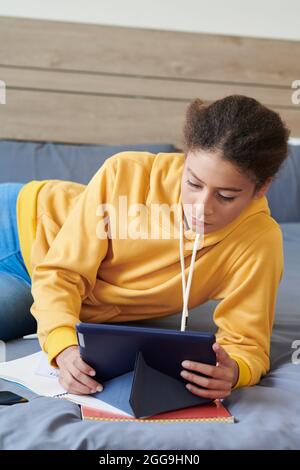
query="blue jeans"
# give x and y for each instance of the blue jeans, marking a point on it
(15, 283)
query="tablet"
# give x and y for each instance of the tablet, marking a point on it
(111, 349)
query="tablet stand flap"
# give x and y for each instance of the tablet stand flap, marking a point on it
(154, 392)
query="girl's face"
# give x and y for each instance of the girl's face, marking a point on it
(214, 191)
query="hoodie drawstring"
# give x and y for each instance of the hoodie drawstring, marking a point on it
(186, 289)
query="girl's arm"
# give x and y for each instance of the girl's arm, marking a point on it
(67, 274)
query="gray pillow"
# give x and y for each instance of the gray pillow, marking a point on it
(22, 161)
(284, 193)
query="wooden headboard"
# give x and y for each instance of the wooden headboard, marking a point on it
(79, 83)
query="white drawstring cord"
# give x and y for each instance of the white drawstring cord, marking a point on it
(186, 289)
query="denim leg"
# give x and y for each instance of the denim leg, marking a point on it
(16, 319)
(11, 259)
(15, 284)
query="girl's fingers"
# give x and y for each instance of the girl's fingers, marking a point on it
(84, 367)
(72, 385)
(205, 381)
(213, 394)
(222, 356)
(215, 372)
(84, 379)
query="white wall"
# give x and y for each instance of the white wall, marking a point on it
(256, 18)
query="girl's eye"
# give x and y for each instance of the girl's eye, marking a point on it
(223, 198)
(192, 184)
(226, 198)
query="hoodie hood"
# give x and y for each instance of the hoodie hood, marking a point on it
(254, 207)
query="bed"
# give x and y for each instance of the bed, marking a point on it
(75, 95)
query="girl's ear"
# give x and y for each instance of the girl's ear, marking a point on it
(264, 188)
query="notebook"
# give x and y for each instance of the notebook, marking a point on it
(35, 373)
(32, 372)
(214, 412)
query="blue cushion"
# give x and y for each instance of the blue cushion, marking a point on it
(284, 193)
(24, 161)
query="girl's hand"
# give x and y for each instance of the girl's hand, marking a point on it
(221, 378)
(74, 374)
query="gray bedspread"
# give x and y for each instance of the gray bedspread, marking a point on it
(267, 415)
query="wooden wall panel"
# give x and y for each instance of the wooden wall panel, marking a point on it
(70, 82)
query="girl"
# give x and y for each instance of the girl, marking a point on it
(85, 258)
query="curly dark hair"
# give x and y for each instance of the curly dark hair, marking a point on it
(248, 134)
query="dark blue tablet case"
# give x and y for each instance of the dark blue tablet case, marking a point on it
(152, 355)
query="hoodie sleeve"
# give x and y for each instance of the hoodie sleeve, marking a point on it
(67, 274)
(245, 315)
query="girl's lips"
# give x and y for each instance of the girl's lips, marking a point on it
(196, 221)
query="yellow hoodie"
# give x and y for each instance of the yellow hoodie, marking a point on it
(81, 271)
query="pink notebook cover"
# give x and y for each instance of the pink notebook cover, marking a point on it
(212, 412)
